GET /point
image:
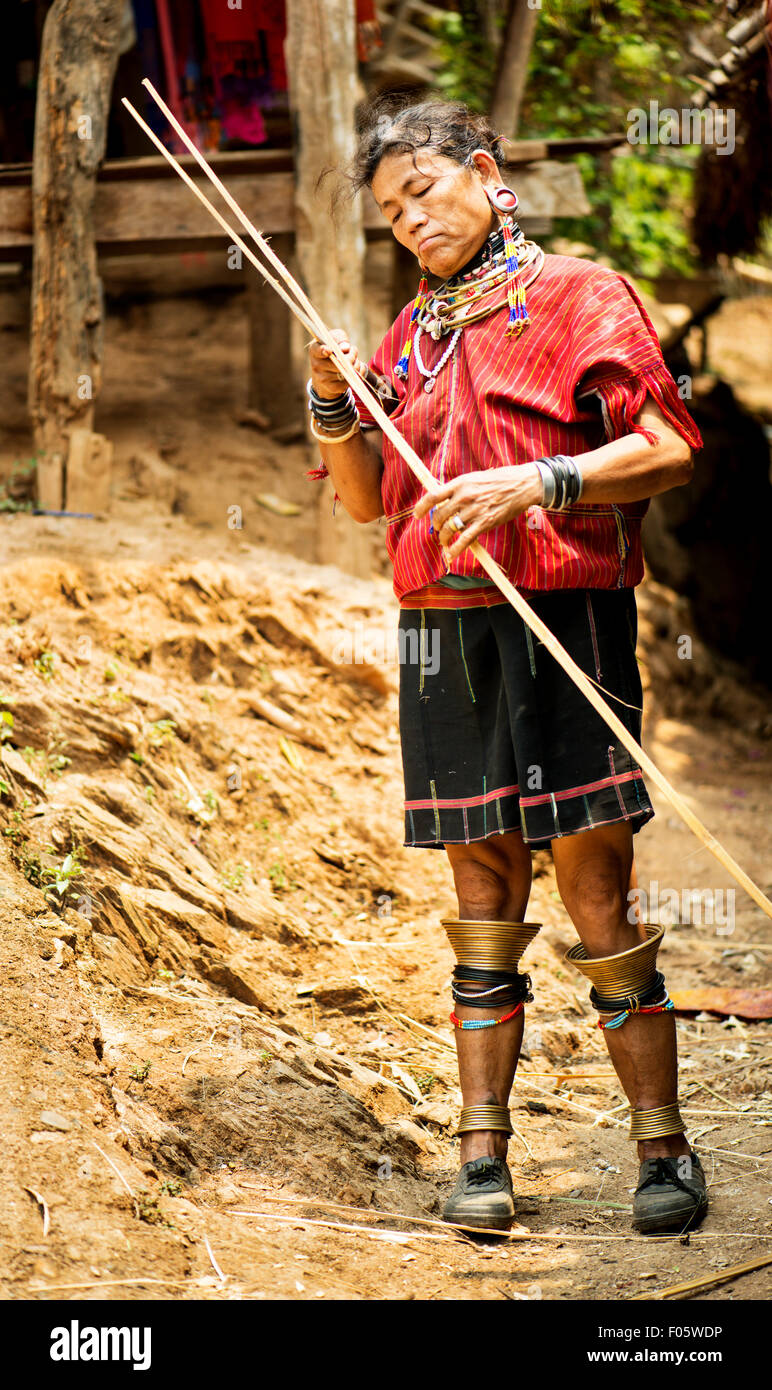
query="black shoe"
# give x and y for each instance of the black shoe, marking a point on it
(482, 1196)
(670, 1196)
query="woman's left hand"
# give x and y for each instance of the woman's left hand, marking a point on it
(482, 501)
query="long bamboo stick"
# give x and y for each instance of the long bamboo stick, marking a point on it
(302, 307)
(245, 250)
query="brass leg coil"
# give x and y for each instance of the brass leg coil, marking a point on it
(624, 974)
(489, 945)
(657, 1123)
(485, 1117)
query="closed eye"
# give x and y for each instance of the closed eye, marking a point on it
(420, 194)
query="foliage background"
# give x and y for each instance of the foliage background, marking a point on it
(592, 62)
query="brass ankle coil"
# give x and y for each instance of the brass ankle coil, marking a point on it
(656, 1123)
(620, 976)
(475, 1117)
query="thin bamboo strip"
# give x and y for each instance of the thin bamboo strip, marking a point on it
(693, 1285)
(735, 1114)
(304, 310)
(740, 1066)
(703, 1086)
(537, 1237)
(391, 1237)
(265, 246)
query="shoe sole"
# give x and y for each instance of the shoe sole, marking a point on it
(493, 1223)
(670, 1221)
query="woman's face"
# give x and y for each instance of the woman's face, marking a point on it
(437, 208)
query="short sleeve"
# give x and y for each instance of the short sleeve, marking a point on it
(616, 356)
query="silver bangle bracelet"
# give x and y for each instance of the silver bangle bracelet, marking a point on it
(335, 438)
(562, 482)
(313, 395)
(547, 482)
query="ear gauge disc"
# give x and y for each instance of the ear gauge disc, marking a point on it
(502, 199)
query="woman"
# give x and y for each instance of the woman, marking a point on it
(534, 388)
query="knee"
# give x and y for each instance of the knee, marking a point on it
(483, 894)
(595, 895)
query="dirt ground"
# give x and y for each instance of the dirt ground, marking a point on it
(223, 1025)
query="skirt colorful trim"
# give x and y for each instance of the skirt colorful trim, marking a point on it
(497, 738)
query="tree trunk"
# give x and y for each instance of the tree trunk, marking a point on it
(512, 69)
(81, 43)
(321, 64)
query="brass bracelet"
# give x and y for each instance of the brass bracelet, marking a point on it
(335, 438)
(475, 1117)
(656, 1123)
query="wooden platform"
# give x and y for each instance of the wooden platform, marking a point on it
(141, 204)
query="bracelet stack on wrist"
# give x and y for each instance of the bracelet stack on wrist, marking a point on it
(562, 482)
(333, 420)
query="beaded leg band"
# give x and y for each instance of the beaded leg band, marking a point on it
(485, 1117)
(470, 1025)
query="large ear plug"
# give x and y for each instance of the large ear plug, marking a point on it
(501, 198)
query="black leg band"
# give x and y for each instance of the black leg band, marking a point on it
(632, 1002)
(495, 987)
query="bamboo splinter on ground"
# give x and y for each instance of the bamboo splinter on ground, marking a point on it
(302, 307)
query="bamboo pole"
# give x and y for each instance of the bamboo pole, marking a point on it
(302, 307)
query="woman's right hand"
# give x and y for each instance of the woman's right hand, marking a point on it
(327, 380)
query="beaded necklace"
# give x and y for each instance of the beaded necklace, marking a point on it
(473, 294)
(430, 376)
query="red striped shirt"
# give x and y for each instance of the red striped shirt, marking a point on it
(509, 400)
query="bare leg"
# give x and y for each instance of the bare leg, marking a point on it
(593, 871)
(493, 881)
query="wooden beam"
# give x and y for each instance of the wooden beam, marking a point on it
(323, 82)
(230, 164)
(88, 472)
(148, 213)
(226, 163)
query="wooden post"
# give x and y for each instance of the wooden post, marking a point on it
(273, 390)
(322, 70)
(89, 472)
(80, 50)
(512, 67)
(405, 274)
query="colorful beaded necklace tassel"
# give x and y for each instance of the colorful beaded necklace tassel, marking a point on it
(518, 311)
(423, 289)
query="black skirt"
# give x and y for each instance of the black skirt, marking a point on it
(496, 737)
